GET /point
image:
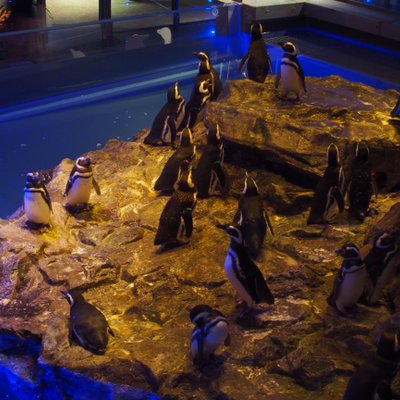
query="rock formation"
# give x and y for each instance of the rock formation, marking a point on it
(298, 348)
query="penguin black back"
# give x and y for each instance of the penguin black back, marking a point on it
(396, 110)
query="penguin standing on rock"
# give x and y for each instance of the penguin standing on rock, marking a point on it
(243, 273)
(257, 60)
(87, 324)
(328, 195)
(396, 110)
(382, 263)
(350, 280)
(173, 167)
(79, 185)
(290, 74)
(360, 183)
(176, 221)
(212, 329)
(37, 203)
(209, 174)
(372, 380)
(252, 217)
(207, 71)
(166, 121)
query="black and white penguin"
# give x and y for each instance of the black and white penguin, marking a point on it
(328, 195)
(381, 262)
(212, 329)
(290, 73)
(80, 183)
(163, 130)
(207, 71)
(396, 110)
(252, 217)
(88, 325)
(360, 183)
(209, 175)
(256, 61)
(172, 170)
(350, 280)
(176, 221)
(243, 273)
(372, 380)
(37, 203)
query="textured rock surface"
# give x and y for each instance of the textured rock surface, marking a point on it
(299, 348)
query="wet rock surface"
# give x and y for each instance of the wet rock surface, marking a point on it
(298, 348)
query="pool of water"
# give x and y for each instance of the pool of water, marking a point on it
(39, 138)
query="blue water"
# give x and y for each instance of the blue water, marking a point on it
(42, 140)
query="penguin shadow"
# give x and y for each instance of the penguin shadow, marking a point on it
(250, 319)
(81, 212)
(170, 246)
(34, 226)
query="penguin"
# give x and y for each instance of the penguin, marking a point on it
(37, 203)
(290, 74)
(243, 273)
(171, 172)
(395, 113)
(79, 185)
(194, 110)
(328, 195)
(176, 222)
(360, 183)
(211, 330)
(252, 217)
(256, 60)
(350, 280)
(209, 174)
(372, 380)
(381, 263)
(207, 71)
(166, 121)
(88, 325)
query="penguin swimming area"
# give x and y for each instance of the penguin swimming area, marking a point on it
(253, 255)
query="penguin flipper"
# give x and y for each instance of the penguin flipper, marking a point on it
(172, 129)
(302, 77)
(96, 187)
(269, 223)
(47, 197)
(243, 61)
(257, 285)
(227, 340)
(110, 331)
(338, 196)
(221, 176)
(395, 113)
(188, 221)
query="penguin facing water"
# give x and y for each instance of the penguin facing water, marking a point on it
(207, 72)
(252, 217)
(328, 195)
(350, 280)
(209, 175)
(88, 325)
(37, 203)
(164, 127)
(243, 273)
(80, 183)
(256, 61)
(211, 331)
(172, 170)
(176, 221)
(290, 74)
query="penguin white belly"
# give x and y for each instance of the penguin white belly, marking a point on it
(229, 270)
(290, 80)
(80, 191)
(351, 289)
(36, 208)
(215, 337)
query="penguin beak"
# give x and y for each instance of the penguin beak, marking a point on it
(222, 226)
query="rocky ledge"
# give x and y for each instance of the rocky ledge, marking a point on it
(298, 348)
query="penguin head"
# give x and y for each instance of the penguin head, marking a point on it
(289, 48)
(256, 31)
(200, 313)
(83, 163)
(33, 179)
(202, 56)
(388, 344)
(73, 296)
(362, 152)
(173, 93)
(349, 251)
(185, 183)
(250, 186)
(235, 232)
(213, 134)
(186, 137)
(204, 64)
(384, 241)
(332, 155)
